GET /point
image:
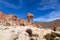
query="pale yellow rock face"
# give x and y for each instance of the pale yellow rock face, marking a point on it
(19, 33)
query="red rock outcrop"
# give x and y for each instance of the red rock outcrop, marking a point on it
(2, 16)
(10, 19)
(30, 18)
(13, 20)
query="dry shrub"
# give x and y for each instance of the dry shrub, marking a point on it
(52, 36)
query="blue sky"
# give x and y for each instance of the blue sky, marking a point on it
(43, 10)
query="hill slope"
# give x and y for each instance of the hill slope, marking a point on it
(55, 23)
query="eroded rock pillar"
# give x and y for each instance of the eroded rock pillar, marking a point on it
(30, 18)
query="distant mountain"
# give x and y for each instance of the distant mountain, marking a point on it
(55, 23)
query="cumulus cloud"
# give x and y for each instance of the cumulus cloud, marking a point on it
(52, 16)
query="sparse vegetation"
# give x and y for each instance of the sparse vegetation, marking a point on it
(52, 36)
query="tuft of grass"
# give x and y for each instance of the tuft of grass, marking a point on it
(52, 36)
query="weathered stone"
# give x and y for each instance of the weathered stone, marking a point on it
(30, 17)
(13, 20)
(12, 17)
(19, 33)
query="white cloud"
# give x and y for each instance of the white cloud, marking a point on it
(48, 4)
(54, 14)
(50, 17)
(5, 3)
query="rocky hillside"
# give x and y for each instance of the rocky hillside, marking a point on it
(13, 20)
(13, 28)
(51, 24)
(22, 33)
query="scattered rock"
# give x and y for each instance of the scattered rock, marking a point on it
(22, 33)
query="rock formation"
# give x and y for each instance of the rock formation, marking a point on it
(30, 18)
(11, 17)
(2, 17)
(13, 20)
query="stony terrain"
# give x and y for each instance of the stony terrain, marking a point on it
(13, 28)
(51, 24)
(19, 33)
